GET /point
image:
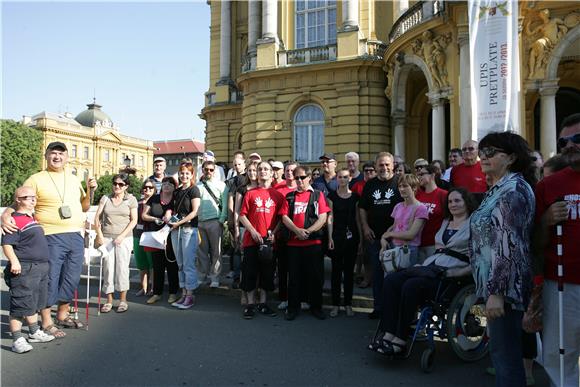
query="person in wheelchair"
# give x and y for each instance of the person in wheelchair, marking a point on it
(404, 291)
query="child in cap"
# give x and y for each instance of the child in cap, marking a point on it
(27, 272)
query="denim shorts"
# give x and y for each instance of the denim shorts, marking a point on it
(29, 289)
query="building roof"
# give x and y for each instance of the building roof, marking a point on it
(64, 117)
(168, 147)
(93, 115)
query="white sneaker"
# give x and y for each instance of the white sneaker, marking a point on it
(304, 306)
(40, 337)
(21, 346)
(214, 284)
(283, 305)
(230, 274)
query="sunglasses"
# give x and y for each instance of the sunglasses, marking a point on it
(343, 177)
(489, 151)
(115, 184)
(563, 141)
(27, 197)
(468, 149)
(209, 169)
(148, 187)
(300, 178)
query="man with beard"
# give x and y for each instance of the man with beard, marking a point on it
(558, 203)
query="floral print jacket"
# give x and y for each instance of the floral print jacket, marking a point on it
(499, 246)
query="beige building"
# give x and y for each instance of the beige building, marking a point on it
(291, 79)
(95, 145)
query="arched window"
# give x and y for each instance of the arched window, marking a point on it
(315, 23)
(308, 133)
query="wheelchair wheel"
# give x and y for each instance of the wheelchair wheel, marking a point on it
(427, 359)
(467, 326)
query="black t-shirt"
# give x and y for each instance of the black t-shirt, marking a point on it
(157, 210)
(29, 242)
(378, 199)
(234, 182)
(182, 202)
(344, 214)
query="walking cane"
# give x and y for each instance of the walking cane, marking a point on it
(76, 307)
(100, 284)
(560, 299)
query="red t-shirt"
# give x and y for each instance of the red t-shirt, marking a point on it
(263, 208)
(300, 204)
(565, 185)
(283, 189)
(435, 203)
(357, 188)
(470, 177)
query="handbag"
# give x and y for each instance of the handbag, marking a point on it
(532, 320)
(395, 259)
(155, 239)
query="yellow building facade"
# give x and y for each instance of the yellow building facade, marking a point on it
(294, 79)
(95, 145)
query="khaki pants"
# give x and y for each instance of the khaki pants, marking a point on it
(116, 266)
(208, 262)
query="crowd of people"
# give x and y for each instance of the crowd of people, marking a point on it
(477, 217)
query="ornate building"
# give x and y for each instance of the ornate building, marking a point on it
(290, 79)
(95, 145)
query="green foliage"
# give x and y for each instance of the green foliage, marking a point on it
(20, 156)
(105, 187)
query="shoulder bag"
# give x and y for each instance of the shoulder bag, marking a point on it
(398, 257)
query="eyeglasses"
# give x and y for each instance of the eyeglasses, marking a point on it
(148, 187)
(468, 149)
(326, 161)
(27, 197)
(369, 170)
(563, 141)
(115, 184)
(418, 167)
(343, 177)
(209, 169)
(300, 178)
(489, 151)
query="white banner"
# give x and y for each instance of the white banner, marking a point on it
(495, 66)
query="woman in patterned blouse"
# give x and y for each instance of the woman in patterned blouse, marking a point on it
(500, 248)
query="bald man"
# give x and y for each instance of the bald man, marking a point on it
(469, 174)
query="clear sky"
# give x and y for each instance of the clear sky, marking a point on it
(147, 63)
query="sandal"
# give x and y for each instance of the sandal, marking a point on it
(378, 344)
(390, 348)
(123, 306)
(54, 331)
(70, 322)
(106, 308)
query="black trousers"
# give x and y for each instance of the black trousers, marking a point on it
(305, 267)
(160, 264)
(402, 295)
(281, 255)
(343, 258)
(256, 271)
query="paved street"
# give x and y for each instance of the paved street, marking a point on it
(212, 345)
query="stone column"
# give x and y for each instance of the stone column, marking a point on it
(253, 25)
(225, 40)
(438, 131)
(399, 133)
(401, 7)
(349, 15)
(465, 90)
(548, 130)
(270, 20)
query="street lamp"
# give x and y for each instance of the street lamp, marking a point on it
(128, 169)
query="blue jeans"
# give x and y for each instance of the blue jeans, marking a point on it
(505, 334)
(66, 253)
(185, 240)
(373, 249)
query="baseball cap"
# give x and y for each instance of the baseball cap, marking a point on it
(277, 165)
(328, 156)
(209, 155)
(255, 155)
(57, 145)
(158, 158)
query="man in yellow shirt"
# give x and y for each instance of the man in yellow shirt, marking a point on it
(61, 202)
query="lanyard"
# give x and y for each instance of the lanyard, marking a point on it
(57, 190)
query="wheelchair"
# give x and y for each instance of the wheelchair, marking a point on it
(455, 315)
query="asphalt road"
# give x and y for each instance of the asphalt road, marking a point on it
(212, 345)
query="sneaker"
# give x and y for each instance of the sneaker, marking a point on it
(283, 305)
(187, 303)
(249, 312)
(349, 311)
(172, 298)
(266, 310)
(290, 315)
(304, 306)
(334, 311)
(230, 274)
(140, 293)
(236, 283)
(153, 299)
(40, 337)
(179, 302)
(214, 284)
(21, 345)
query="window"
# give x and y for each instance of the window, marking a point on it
(107, 155)
(141, 161)
(315, 23)
(86, 153)
(132, 159)
(73, 151)
(308, 133)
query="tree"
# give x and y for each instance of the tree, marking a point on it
(105, 187)
(20, 156)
